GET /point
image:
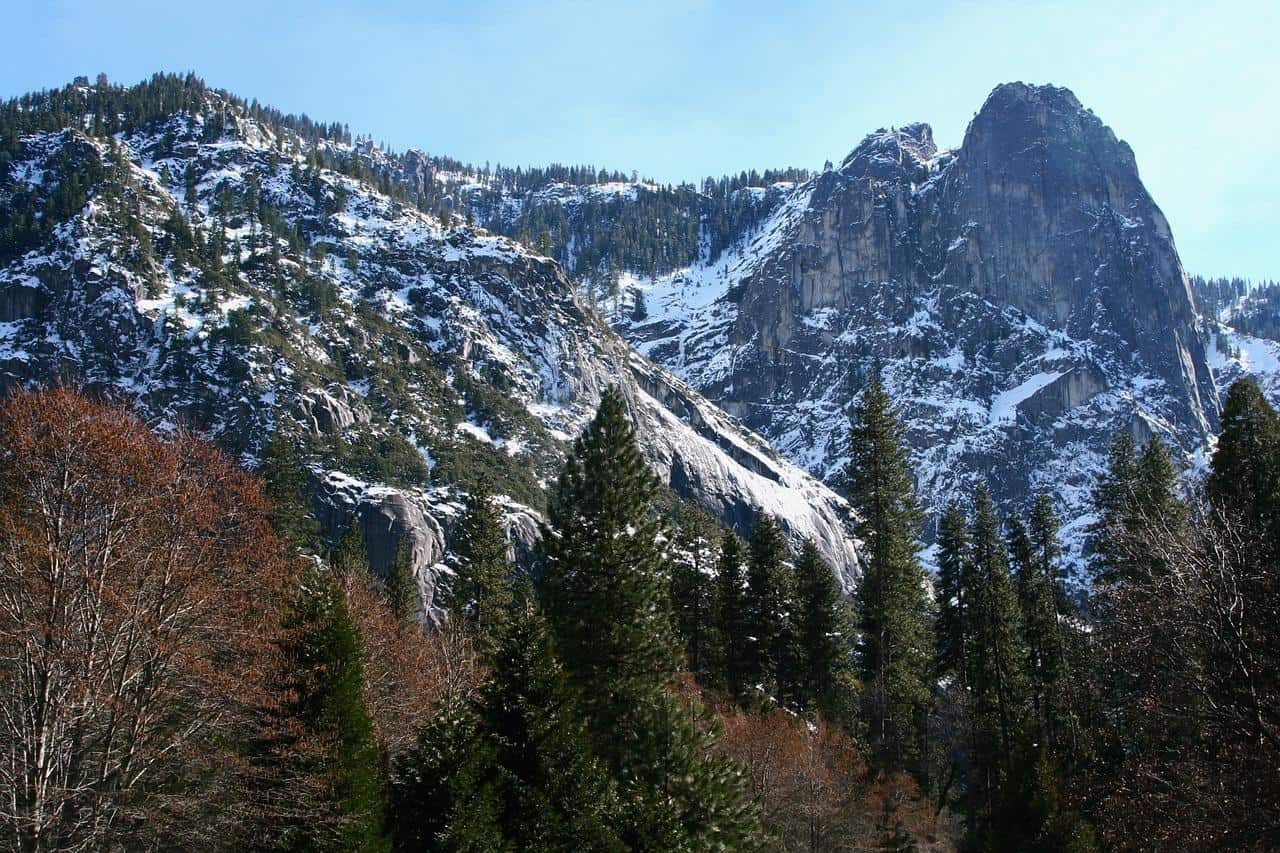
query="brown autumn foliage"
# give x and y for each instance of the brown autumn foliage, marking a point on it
(407, 671)
(140, 596)
(819, 794)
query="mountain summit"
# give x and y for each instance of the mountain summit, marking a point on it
(1021, 297)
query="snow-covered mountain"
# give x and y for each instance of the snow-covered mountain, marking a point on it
(241, 271)
(1021, 296)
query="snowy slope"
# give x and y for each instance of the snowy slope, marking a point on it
(228, 277)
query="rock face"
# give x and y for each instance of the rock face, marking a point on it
(1021, 297)
(243, 277)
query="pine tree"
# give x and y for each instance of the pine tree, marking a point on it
(1035, 554)
(285, 480)
(402, 586)
(1112, 498)
(552, 793)
(350, 558)
(770, 653)
(731, 620)
(604, 582)
(954, 559)
(895, 644)
(997, 660)
(1244, 478)
(693, 589)
(446, 796)
(480, 591)
(331, 705)
(824, 637)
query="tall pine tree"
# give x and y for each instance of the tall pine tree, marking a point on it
(731, 618)
(769, 640)
(330, 703)
(954, 560)
(896, 647)
(997, 665)
(480, 591)
(604, 583)
(824, 639)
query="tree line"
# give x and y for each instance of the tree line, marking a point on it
(189, 665)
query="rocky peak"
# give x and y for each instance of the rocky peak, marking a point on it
(889, 152)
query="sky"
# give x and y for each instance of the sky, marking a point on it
(681, 90)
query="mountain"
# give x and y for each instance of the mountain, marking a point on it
(1021, 296)
(230, 268)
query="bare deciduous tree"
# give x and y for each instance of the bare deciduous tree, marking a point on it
(138, 590)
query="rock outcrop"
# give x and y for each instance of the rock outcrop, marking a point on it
(1021, 296)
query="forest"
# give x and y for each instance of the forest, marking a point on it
(188, 664)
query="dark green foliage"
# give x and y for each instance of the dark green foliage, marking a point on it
(731, 614)
(480, 590)
(953, 592)
(401, 586)
(1245, 475)
(824, 637)
(552, 794)
(896, 646)
(604, 575)
(1112, 496)
(284, 481)
(330, 704)
(997, 661)
(350, 557)
(604, 582)
(1046, 631)
(512, 772)
(771, 653)
(693, 593)
(445, 796)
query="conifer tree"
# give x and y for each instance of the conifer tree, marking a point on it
(402, 586)
(604, 582)
(693, 588)
(997, 660)
(445, 797)
(953, 592)
(1244, 479)
(552, 793)
(895, 643)
(350, 558)
(1112, 498)
(770, 652)
(480, 591)
(824, 637)
(285, 482)
(331, 705)
(731, 620)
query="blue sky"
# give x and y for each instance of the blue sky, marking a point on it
(679, 90)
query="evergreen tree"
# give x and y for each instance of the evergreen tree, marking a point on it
(350, 558)
(731, 621)
(1035, 556)
(331, 705)
(604, 582)
(770, 653)
(552, 793)
(824, 638)
(284, 481)
(402, 586)
(1244, 479)
(997, 660)
(895, 644)
(1112, 499)
(480, 591)
(446, 796)
(953, 592)
(693, 589)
